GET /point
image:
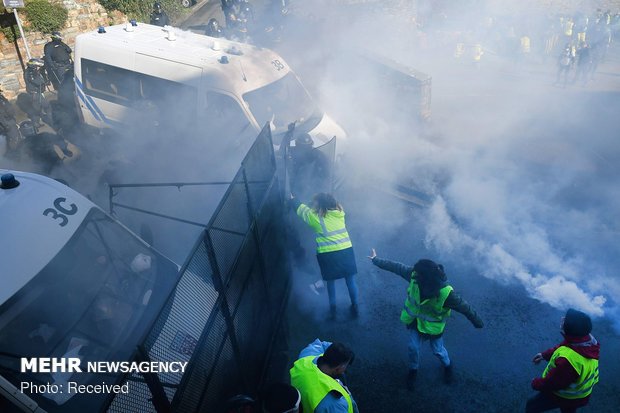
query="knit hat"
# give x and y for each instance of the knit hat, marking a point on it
(430, 276)
(577, 323)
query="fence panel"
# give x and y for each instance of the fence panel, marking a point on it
(222, 316)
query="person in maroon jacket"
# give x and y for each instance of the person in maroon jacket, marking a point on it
(572, 371)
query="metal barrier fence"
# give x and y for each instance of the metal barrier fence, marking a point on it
(227, 307)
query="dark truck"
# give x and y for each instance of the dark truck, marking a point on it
(404, 93)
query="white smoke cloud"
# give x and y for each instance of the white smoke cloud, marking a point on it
(520, 173)
(496, 262)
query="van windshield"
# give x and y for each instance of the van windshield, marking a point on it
(94, 300)
(282, 102)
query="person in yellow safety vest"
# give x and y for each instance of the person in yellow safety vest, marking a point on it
(334, 250)
(568, 27)
(572, 368)
(429, 302)
(581, 27)
(477, 51)
(318, 374)
(525, 45)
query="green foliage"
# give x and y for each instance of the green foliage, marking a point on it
(8, 33)
(141, 9)
(45, 16)
(11, 34)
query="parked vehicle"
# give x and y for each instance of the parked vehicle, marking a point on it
(222, 88)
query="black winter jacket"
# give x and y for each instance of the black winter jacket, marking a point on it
(454, 300)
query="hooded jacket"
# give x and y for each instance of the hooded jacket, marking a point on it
(454, 300)
(564, 374)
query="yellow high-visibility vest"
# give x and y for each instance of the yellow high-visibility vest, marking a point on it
(525, 44)
(429, 314)
(314, 385)
(331, 232)
(585, 367)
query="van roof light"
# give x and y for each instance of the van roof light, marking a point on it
(129, 27)
(170, 33)
(234, 51)
(224, 60)
(8, 181)
(216, 45)
(133, 22)
(101, 30)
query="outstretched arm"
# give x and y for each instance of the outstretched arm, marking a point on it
(456, 303)
(293, 202)
(316, 348)
(557, 378)
(392, 266)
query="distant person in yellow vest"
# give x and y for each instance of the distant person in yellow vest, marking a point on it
(318, 374)
(581, 27)
(429, 302)
(334, 250)
(476, 53)
(525, 47)
(572, 368)
(565, 62)
(568, 24)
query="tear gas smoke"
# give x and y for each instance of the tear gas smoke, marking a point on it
(521, 173)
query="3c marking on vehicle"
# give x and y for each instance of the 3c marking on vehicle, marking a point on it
(60, 212)
(277, 64)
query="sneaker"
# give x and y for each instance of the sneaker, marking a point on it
(317, 287)
(354, 311)
(411, 376)
(448, 374)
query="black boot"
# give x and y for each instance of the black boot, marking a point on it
(448, 374)
(413, 373)
(354, 311)
(332, 313)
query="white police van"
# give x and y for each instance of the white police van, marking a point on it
(123, 71)
(76, 283)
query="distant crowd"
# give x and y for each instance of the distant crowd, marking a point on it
(577, 42)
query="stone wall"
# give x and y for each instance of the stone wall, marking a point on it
(84, 15)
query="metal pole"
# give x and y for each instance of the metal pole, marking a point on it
(21, 31)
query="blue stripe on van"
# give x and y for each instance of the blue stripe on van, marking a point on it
(80, 95)
(90, 103)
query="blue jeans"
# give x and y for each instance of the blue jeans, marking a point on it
(331, 290)
(415, 340)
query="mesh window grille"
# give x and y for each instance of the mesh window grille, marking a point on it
(221, 317)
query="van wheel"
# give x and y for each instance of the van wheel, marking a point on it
(186, 3)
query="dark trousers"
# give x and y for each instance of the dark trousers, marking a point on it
(542, 403)
(8, 128)
(40, 108)
(562, 70)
